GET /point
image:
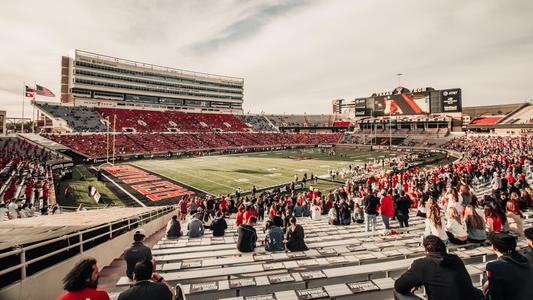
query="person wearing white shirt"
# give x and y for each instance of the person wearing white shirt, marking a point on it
(452, 197)
(316, 211)
(434, 223)
(13, 210)
(455, 229)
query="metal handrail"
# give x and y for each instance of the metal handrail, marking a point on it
(137, 219)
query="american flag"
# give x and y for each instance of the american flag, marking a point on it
(42, 91)
(30, 92)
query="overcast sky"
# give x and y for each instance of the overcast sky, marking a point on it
(295, 56)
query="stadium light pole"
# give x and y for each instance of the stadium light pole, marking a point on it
(399, 76)
(390, 123)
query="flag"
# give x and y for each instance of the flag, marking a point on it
(42, 91)
(30, 92)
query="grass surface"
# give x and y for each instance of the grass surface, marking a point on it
(224, 174)
(79, 190)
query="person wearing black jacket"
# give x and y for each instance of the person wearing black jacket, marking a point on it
(403, 203)
(174, 228)
(528, 252)
(219, 225)
(370, 204)
(510, 275)
(443, 275)
(247, 236)
(295, 237)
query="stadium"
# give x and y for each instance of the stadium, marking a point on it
(363, 201)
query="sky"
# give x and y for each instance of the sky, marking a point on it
(295, 56)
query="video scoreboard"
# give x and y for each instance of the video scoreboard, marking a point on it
(402, 101)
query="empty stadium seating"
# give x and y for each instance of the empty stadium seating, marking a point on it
(258, 122)
(78, 118)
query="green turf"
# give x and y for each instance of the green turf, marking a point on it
(79, 187)
(223, 174)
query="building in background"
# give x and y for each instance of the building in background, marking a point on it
(96, 80)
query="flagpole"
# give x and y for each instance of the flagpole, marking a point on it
(23, 94)
(33, 110)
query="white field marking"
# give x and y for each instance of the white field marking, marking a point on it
(324, 166)
(242, 180)
(340, 163)
(301, 170)
(202, 178)
(271, 169)
(273, 174)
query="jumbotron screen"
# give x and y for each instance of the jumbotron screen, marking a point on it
(402, 104)
(402, 101)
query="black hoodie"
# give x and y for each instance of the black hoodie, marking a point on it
(443, 275)
(510, 277)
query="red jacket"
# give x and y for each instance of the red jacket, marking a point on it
(387, 208)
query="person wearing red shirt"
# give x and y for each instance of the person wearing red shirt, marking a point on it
(239, 217)
(223, 205)
(81, 282)
(250, 212)
(273, 211)
(387, 209)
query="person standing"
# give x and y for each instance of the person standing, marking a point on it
(136, 252)
(386, 208)
(81, 282)
(371, 205)
(403, 203)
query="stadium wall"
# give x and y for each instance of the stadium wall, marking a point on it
(47, 284)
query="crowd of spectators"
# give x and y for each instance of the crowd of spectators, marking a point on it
(24, 179)
(444, 196)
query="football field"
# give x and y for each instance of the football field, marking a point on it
(225, 173)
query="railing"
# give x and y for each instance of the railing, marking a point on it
(83, 240)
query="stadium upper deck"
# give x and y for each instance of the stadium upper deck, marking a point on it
(100, 80)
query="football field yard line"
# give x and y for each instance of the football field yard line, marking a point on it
(221, 174)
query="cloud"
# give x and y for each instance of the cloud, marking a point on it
(246, 26)
(294, 56)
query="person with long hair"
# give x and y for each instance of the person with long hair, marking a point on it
(81, 282)
(455, 229)
(434, 224)
(493, 220)
(514, 218)
(295, 237)
(333, 215)
(453, 199)
(475, 226)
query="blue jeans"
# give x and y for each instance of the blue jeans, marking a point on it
(386, 221)
(370, 220)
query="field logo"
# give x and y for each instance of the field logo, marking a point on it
(148, 185)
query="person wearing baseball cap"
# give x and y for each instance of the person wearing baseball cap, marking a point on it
(509, 276)
(137, 252)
